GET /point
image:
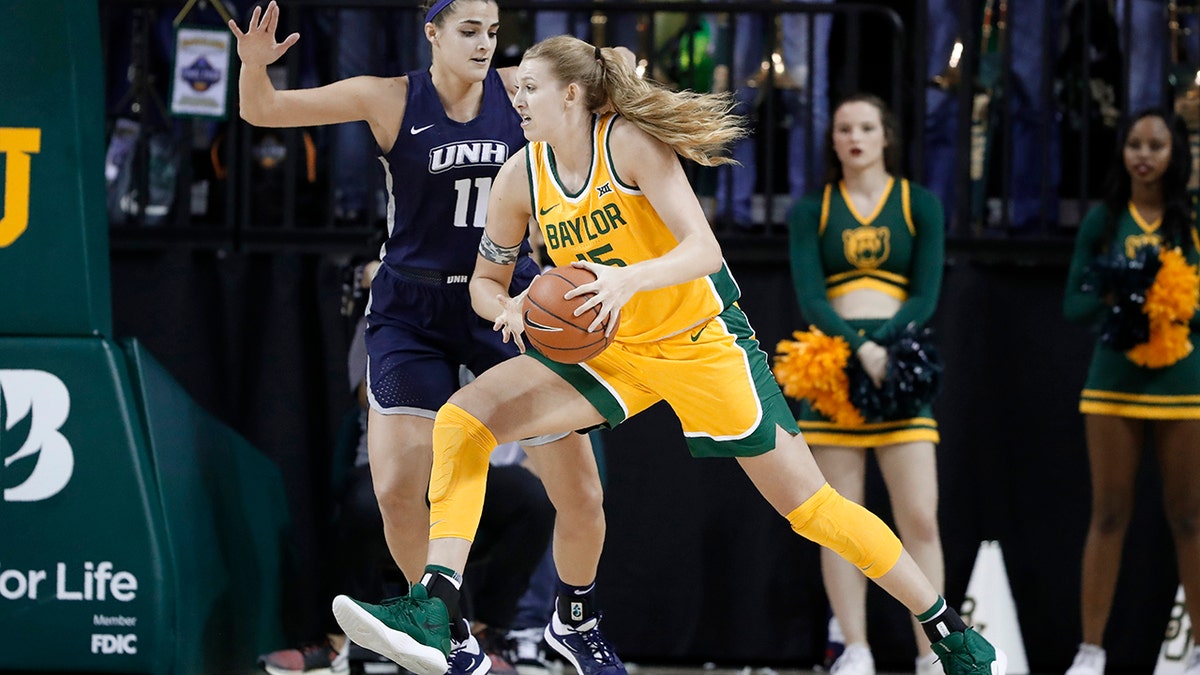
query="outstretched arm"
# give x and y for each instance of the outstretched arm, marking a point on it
(379, 101)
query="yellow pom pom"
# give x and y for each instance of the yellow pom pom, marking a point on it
(813, 367)
(1176, 289)
(1170, 303)
(1168, 343)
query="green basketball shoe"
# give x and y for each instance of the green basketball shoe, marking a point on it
(968, 653)
(412, 630)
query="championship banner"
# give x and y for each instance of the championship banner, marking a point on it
(200, 83)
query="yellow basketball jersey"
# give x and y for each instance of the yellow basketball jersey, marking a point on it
(611, 223)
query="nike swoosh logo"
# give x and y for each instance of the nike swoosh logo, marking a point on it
(537, 326)
(415, 130)
(547, 210)
(696, 336)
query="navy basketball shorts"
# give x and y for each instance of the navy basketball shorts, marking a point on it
(420, 329)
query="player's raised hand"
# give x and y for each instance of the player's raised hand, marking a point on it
(257, 46)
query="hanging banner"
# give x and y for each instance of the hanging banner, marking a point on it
(200, 83)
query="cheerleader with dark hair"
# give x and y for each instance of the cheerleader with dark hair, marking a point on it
(1134, 269)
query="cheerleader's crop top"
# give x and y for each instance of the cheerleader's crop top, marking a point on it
(899, 249)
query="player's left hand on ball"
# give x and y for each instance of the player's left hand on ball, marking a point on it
(613, 287)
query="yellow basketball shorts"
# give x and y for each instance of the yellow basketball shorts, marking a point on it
(714, 376)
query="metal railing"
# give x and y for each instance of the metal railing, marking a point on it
(240, 187)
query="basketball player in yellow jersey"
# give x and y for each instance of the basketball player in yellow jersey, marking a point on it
(609, 193)
(611, 223)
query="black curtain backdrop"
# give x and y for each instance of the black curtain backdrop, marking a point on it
(697, 567)
(256, 340)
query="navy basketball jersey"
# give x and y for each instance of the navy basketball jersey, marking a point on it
(439, 175)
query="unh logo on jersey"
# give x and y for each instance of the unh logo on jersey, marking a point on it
(467, 153)
(33, 407)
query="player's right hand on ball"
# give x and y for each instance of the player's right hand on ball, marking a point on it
(510, 321)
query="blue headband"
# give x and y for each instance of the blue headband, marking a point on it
(436, 9)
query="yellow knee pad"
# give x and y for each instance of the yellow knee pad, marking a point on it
(462, 446)
(847, 529)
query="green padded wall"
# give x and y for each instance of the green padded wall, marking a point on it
(83, 550)
(226, 515)
(54, 271)
(137, 533)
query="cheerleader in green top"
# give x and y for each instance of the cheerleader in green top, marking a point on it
(867, 255)
(1147, 203)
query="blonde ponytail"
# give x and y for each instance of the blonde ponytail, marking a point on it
(697, 126)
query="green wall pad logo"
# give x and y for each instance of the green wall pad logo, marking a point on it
(17, 145)
(34, 406)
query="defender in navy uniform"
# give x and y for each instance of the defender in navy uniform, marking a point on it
(444, 134)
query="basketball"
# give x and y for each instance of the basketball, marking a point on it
(551, 326)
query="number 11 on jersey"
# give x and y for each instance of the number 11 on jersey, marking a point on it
(470, 191)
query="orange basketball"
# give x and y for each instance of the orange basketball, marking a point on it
(551, 326)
